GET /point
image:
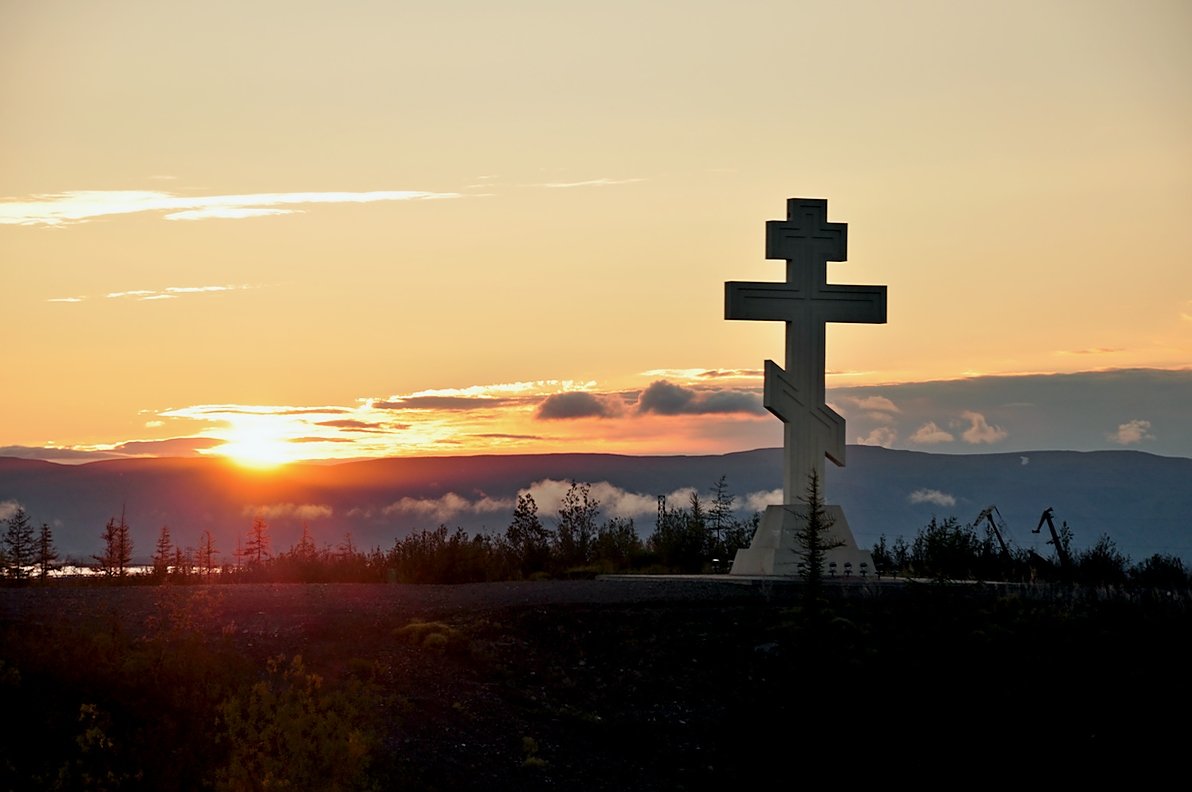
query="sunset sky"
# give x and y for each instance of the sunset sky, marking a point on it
(289, 230)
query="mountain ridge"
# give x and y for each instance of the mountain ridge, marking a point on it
(1141, 501)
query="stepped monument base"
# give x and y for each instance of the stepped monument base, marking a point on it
(775, 548)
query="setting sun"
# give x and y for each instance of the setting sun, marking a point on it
(257, 443)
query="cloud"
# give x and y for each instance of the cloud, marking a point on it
(1092, 351)
(473, 397)
(8, 508)
(351, 423)
(578, 404)
(56, 453)
(878, 404)
(979, 431)
(79, 206)
(302, 511)
(930, 434)
(701, 374)
(448, 403)
(168, 293)
(590, 183)
(444, 508)
(881, 436)
(174, 446)
(613, 501)
(932, 496)
(666, 398)
(1132, 432)
(758, 501)
(228, 213)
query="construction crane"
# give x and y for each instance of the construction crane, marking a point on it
(1060, 550)
(996, 526)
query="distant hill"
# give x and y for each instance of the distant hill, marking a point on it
(1141, 501)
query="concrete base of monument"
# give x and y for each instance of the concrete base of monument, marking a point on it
(774, 550)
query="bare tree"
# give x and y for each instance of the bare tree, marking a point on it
(162, 554)
(256, 549)
(117, 548)
(207, 554)
(47, 555)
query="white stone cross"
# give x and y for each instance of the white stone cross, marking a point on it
(806, 302)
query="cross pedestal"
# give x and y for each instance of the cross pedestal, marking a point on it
(805, 301)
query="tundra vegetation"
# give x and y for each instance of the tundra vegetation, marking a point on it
(270, 685)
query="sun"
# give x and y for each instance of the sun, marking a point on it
(257, 444)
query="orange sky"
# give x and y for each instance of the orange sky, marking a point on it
(254, 223)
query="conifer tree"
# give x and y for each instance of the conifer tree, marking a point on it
(18, 545)
(256, 549)
(813, 537)
(47, 554)
(207, 554)
(117, 548)
(162, 554)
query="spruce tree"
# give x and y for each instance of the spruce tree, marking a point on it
(18, 545)
(813, 537)
(47, 554)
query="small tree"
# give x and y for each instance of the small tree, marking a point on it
(813, 537)
(527, 538)
(206, 554)
(1102, 564)
(720, 518)
(18, 545)
(47, 555)
(256, 549)
(577, 525)
(162, 554)
(117, 548)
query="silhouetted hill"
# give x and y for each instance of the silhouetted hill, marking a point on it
(1141, 501)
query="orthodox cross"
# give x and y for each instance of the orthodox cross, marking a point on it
(806, 302)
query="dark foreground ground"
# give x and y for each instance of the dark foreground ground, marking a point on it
(587, 685)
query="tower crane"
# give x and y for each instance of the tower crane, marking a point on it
(1060, 550)
(996, 526)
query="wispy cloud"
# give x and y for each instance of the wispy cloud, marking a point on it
(589, 183)
(301, 511)
(446, 507)
(1091, 351)
(168, 293)
(704, 374)
(80, 206)
(614, 501)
